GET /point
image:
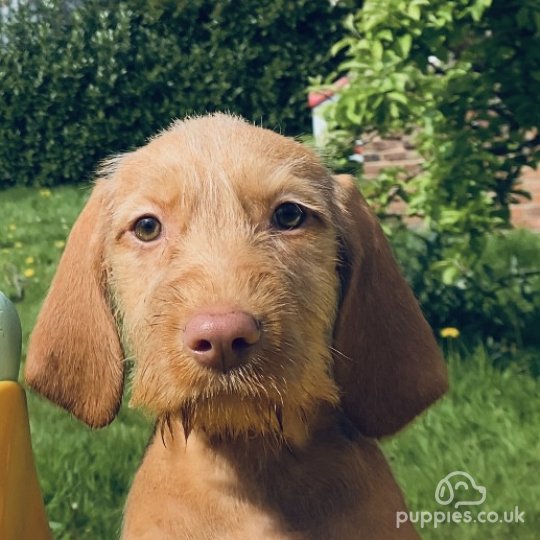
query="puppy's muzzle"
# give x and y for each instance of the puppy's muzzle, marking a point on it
(221, 341)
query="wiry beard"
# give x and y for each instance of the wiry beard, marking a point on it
(273, 423)
(220, 420)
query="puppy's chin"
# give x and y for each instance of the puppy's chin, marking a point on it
(228, 418)
(245, 406)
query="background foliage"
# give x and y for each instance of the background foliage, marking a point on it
(462, 77)
(82, 80)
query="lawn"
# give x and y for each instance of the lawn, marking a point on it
(488, 425)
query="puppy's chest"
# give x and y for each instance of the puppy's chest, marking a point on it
(191, 493)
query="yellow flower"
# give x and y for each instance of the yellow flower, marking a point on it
(12, 227)
(29, 260)
(18, 245)
(29, 272)
(45, 192)
(59, 244)
(450, 332)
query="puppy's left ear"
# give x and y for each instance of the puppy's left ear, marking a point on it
(387, 364)
(74, 357)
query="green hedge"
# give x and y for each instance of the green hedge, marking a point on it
(79, 83)
(496, 301)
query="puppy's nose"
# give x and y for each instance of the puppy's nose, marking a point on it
(221, 341)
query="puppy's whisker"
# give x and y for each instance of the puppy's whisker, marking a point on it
(278, 412)
(340, 354)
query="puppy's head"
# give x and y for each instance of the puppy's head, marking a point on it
(232, 267)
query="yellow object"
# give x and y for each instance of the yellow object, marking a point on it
(22, 514)
(450, 332)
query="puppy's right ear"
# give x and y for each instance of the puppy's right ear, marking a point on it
(389, 368)
(74, 356)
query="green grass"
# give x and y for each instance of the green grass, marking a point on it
(85, 474)
(488, 425)
(34, 227)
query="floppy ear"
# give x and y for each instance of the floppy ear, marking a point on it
(74, 356)
(388, 364)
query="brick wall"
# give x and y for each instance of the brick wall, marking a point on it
(379, 153)
(527, 213)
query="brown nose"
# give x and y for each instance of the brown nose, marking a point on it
(221, 341)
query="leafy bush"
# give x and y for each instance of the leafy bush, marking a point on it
(498, 300)
(461, 78)
(82, 80)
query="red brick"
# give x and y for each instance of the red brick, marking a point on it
(399, 152)
(373, 168)
(394, 155)
(527, 173)
(382, 145)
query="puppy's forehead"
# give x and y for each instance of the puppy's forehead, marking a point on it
(219, 156)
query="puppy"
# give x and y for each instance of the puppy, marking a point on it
(272, 334)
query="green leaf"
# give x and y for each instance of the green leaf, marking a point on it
(393, 109)
(477, 10)
(449, 275)
(377, 50)
(414, 12)
(351, 113)
(385, 35)
(398, 96)
(405, 43)
(339, 46)
(399, 80)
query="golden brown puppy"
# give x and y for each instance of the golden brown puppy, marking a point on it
(274, 338)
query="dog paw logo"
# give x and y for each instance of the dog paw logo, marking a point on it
(462, 486)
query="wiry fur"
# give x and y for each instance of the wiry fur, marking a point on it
(275, 448)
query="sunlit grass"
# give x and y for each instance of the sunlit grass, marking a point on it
(85, 474)
(33, 230)
(488, 425)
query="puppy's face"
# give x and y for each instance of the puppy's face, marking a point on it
(216, 216)
(217, 226)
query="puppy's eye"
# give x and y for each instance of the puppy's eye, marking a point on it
(147, 228)
(288, 216)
